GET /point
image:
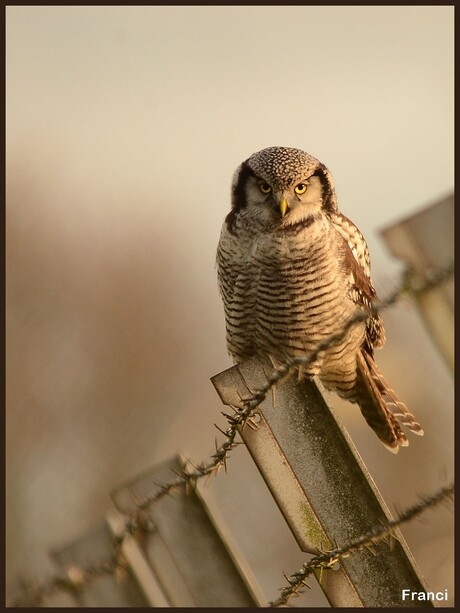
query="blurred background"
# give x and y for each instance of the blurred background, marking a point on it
(124, 127)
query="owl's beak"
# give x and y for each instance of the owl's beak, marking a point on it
(283, 207)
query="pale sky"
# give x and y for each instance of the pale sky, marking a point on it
(158, 105)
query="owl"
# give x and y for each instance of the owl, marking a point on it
(292, 271)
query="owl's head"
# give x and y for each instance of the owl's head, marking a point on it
(281, 186)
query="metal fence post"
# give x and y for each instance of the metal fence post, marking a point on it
(424, 241)
(189, 554)
(322, 487)
(105, 590)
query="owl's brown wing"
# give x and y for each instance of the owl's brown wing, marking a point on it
(354, 239)
(379, 404)
(356, 262)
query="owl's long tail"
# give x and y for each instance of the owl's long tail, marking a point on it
(381, 407)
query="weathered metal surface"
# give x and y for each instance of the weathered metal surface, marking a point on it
(426, 240)
(102, 591)
(321, 486)
(135, 558)
(189, 552)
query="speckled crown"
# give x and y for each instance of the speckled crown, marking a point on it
(283, 166)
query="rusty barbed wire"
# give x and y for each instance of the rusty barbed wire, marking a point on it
(76, 578)
(297, 581)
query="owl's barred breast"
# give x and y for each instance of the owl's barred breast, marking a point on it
(284, 293)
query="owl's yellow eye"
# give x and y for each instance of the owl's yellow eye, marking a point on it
(264, 187)
(301, 188)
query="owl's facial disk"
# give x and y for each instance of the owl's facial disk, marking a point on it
(284, 205)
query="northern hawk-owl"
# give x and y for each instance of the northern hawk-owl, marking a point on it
(292, 271)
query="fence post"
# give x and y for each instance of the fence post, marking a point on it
(322, 487)
(105, 590)
(188, 555)
(425, 241)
